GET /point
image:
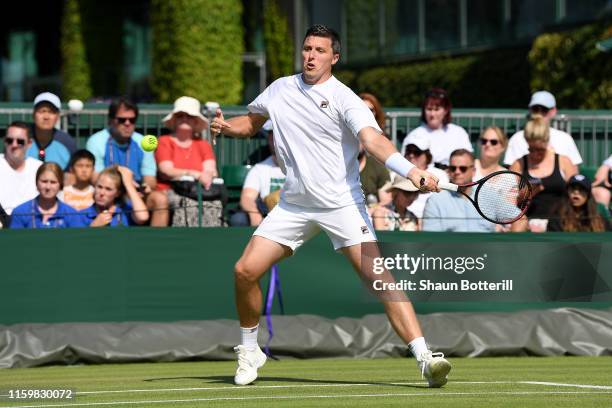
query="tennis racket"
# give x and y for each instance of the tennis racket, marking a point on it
(501, 197)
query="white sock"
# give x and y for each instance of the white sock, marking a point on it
(248, 337)
(418, 346)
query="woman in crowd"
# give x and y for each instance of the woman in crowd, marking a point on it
(116, 200)
(184, 154)
(578, 211)
(396, 216)
(548, 173)
(46, 210)
(493, 143)
(444, 136)
(374, 105)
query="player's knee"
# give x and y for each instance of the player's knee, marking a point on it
(243, 273)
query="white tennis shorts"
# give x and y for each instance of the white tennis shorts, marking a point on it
(293, 225)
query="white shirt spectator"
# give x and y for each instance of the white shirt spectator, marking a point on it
(561, 142)
(17, 187)
(442, 141)
(265, 177)
(608, 161)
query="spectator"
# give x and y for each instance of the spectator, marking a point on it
(493, 142)
(116, 200)
(119, 144)
(185, 154)
(548, 171)
(17, 171)
(80, 195)
(444, 136)
(45, 210)
(603, 183)
(262, 182)
(543, 104)
(577, 211)
(396, 216)
(50, 144)
(375, 107)
(417, 152)
(451, 211)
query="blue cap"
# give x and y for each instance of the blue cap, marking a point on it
(580, 180)
(48, 97)
(543, 98)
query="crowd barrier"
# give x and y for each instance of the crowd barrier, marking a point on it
(166, 275)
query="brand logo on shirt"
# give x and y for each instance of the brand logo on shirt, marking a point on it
(364, 230)
(324, 104)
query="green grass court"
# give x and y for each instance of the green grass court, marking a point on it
(476, 382)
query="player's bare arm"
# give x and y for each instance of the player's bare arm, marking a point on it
(382, 149)
(239, 126)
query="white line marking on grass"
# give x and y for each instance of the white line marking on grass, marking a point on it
(597, 387)
(324, 385)
(297, 397)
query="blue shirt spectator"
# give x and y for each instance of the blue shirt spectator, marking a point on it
(28, 215)
(59, 150)
(122, 216)
(48, 143)
(109, 152)
(450, 211)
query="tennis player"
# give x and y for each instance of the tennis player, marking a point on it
(318, 123)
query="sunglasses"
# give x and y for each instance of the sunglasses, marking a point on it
(9, 141)
(123, 121)
(413, 150)
(462, 169)
(484, 141)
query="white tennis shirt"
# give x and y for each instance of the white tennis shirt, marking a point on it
(316, 131)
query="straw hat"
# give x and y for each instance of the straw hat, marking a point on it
(190, 106)
(402, 183)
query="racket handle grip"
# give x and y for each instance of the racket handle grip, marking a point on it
(448, 186)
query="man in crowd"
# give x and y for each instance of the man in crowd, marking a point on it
(17, 171)
(49, 143)
(451, 211)
(119, 144)
(543, 104)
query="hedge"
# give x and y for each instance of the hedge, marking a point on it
(496, 79)
(278, 40)
(197, 50)
(75, 71)
(570, 66)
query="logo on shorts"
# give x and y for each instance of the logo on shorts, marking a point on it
(364, 230)
(324, 104)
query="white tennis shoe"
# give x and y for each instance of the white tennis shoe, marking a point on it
(248, 363)
(434, 367)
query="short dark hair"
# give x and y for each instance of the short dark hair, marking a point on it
(320, 30)
(123, 101)
(461, 152)
(80, 155)
(21, 125)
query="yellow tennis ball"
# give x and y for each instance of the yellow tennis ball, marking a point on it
(148, 143)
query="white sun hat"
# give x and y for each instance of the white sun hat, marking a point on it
(190, 106)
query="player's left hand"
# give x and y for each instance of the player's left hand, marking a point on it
(429, 184)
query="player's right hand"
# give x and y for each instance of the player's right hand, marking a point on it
(423, 180)
(219, 124)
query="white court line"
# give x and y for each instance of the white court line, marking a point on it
(597, 387)
(297, 397)
(323, 385)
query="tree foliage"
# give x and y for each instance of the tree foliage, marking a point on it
(278, 40)
(197, 50)
(75, 71)
(570, 66)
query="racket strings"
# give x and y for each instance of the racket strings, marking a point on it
(504, 197)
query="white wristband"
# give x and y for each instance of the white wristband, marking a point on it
(399, 164)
